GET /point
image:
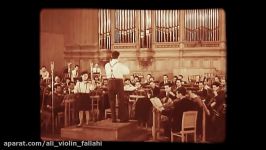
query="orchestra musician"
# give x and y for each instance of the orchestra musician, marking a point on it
(75, 74)
(217, 109)
(82, 90)
(96, 71)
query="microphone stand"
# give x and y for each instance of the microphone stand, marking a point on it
(69, 70)
(52, 73)
(91, 68)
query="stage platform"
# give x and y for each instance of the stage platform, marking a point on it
(105, 130)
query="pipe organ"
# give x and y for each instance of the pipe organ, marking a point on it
(202, 25)
(167, 25)
(125, 28)
(104, 29)
(139, 27)
(145, 29)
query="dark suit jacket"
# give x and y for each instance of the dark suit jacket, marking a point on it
(179, 107)
(156, 92)
(202, 94)
(163, 84)
(220, 100)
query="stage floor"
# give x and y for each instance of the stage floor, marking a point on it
(105, 130)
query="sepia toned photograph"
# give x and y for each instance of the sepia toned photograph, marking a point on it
(136, 75)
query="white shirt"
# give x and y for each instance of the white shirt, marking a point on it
(82, 87)
(96, 70)
(44, 74)
(129, 87)
(74, 74)
(119, 70)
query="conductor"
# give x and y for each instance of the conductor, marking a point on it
(114, 73)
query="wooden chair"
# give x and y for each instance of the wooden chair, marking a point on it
(189, 125)
(108, 112)
(95, 107)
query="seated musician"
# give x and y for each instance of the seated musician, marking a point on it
(57, 80)
(165, 81)
(96, 71)
(132, 80)
(136, 79)
(183, 104)
(143, 107)
(173, 81)
(155, 90)
(46, 98)
(169, 96)
(180, 77)
(128, 86)
(219, 96)
(69, 89)
(217, 79)
(58, 100)
(75, 74)
(197, 80)
(167, 101)
(217, 107)
(137, 85)
(202, 92)
(201, 107)
(223, 85)
(42, 86)
(147, 80)
(139, 89)
(93, 84)
(98, 84)
(69, 96)
(104, 84)
(196, 98)
(178, 84)
(207, 83)
(44, 74)
(67, 81)
(152, 78)
(96, 78)
(133, 90)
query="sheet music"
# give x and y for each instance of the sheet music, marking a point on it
(156, 102)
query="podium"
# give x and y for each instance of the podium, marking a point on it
(105, 130)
